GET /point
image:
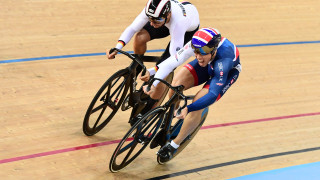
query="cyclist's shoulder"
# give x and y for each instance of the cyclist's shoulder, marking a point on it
(226, 49)
(225, 42)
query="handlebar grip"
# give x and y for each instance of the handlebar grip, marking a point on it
(111, 50)
(131, 56)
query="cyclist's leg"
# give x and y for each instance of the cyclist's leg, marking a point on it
(140, 42)
(146, 34)
(190, 76)
(193, 118)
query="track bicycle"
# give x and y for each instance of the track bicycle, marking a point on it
(156, 127)
(119, 91)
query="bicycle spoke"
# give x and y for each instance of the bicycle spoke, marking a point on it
(126, 147)
(100, 115)
(106, 96)
(104, 105)
(128, 155)
(153, 128)
(121, 86)
(115, 81)
(148, 124)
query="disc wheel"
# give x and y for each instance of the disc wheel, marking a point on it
(106, 102)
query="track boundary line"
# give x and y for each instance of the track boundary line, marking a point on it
(19, 158)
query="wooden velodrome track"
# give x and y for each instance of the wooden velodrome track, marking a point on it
(269, 119)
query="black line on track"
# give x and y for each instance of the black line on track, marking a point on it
(233, 162)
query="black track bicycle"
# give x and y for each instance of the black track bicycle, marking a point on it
(119, 91)
(156, 128)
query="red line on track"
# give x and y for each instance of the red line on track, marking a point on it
(260, 120)
(117, 141)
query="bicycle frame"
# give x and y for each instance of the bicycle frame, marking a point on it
(135, 95)
(170, 107)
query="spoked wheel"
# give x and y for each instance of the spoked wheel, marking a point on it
(136, 140)
(187, 140)
(106, 102)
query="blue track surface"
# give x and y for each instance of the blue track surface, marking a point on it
(301, 172)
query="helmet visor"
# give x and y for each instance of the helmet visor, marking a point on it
(203, 50)
(156, 20)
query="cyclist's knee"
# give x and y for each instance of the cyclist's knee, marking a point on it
(177, 81)
(154, 96)
(183, 77)
(140, 42)
(142, 37)
(158, 92)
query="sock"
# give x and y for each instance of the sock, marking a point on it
(173, 144)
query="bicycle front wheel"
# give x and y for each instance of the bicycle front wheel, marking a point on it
(106, 102)
(136, 139)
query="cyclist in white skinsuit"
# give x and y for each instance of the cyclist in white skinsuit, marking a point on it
(175, 18)
(159, 19)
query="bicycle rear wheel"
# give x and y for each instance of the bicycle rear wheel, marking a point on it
(106, 102)
(136, 139)
(187, 140)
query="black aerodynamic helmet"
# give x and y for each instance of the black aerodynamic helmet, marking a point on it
(158, 9)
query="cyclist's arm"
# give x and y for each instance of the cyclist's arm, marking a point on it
(134, 27)
(217, 84)
(174, 61)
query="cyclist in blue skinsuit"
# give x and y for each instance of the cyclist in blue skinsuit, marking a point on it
(217, 66)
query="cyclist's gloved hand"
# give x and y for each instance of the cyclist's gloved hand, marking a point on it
(112, 55)
(182, 114)
(146, 77)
